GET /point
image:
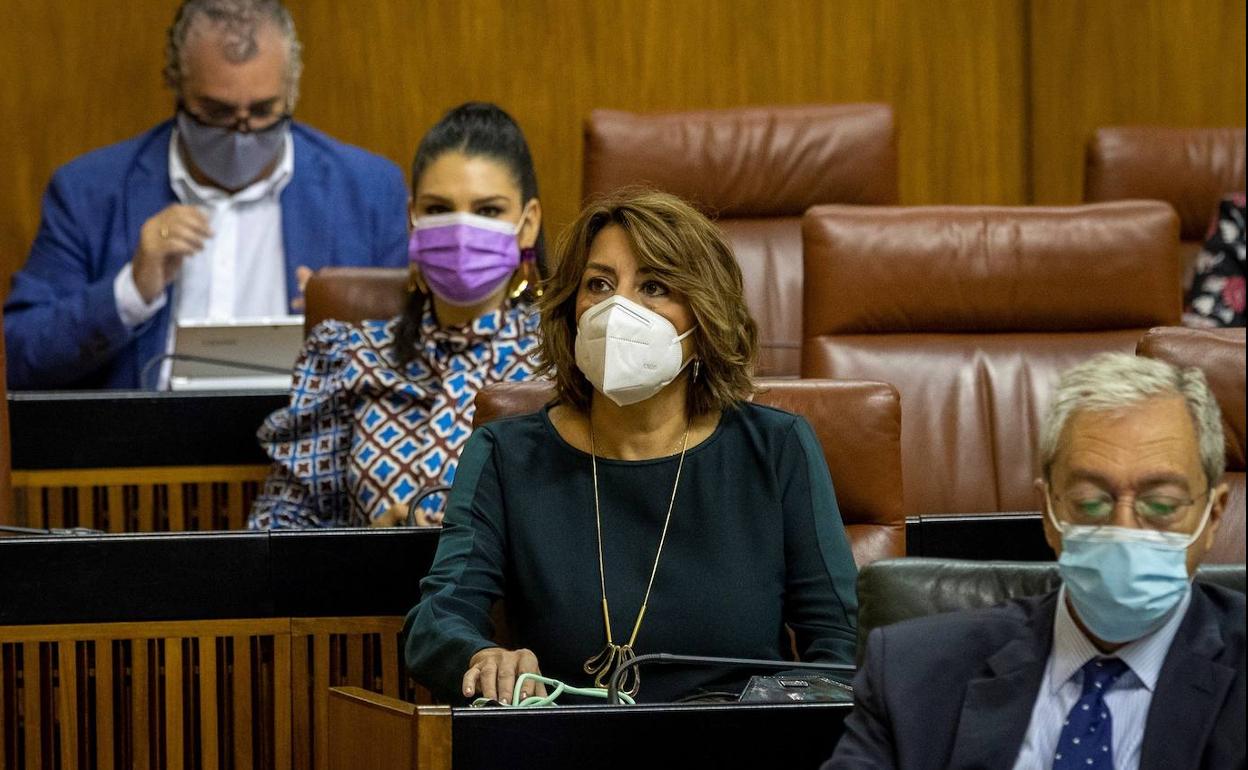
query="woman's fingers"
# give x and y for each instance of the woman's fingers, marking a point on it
(507, 677)
(489, 678)
(493, 672)
(527, 664)
(471, 676)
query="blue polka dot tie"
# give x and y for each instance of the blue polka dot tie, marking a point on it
(1086, 742)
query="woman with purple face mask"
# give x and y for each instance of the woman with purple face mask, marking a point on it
(380, 410)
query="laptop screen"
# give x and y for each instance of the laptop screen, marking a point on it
(237, 353)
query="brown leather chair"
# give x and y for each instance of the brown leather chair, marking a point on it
(1219, 353)
(354, 294)
(972, 312)
(1189, 168)
(6, 488)
(858, 424)
(755, 170)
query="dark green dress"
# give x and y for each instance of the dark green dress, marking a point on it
(755, 542)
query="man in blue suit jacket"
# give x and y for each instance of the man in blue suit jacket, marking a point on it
(1128, 665)
(122, 226)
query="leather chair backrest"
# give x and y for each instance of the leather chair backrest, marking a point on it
(6, 460)
(893, 590)
(858, 425)
(1219, 353)
(755, 170)
(1189, 168)
(354, 294)
(971, 313)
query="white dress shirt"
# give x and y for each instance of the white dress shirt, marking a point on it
(241, 271)
(1128, 698)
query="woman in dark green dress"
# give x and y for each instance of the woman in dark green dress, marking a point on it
(651, 507)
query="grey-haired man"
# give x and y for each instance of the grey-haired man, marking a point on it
(221, 212)
(1129, 664)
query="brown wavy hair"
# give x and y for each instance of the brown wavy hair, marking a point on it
(686, 251)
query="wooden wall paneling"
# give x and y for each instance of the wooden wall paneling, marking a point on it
(145, 514)
(104, 705)
(433, 737)
(320, 697)
(138, 499)
(54, 515)
(67, 702)
(301, 701)
(378, 74)
(177, 506)
(1125, 62)
(391, 669)
(114, 52)
(141, 755)
(208, 702)
(241, 701)
(32, 713)
(282, 702)
(161, 694)
(85, 510)
(1000, 102)
(175, 700)
(116, 497)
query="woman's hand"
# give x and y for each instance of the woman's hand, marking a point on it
(396, 516)
(493, 672)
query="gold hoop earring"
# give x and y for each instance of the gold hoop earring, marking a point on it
(520, 287)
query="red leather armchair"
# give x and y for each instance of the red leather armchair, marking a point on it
(858, 424)
(1219, 353)
(971, 313)
(354, 294)
(1189, 168)
(756, 170)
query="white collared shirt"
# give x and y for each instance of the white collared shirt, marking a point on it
(1128, 698)
(241, 271)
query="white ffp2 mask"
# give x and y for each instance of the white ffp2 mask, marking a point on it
(626, 351)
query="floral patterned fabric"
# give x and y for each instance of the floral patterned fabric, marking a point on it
(1217, 294)
(362, 435)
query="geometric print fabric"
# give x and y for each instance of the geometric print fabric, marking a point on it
(360, 436)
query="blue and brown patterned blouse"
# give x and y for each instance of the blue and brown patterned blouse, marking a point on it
(362, 435)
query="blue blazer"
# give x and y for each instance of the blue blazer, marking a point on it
(342, 206)
(957, 690)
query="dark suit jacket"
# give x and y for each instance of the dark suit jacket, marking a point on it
(342, 206)
(957, 690)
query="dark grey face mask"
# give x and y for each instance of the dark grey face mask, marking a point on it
(230, 158)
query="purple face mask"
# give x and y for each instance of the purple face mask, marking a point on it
(464, 257)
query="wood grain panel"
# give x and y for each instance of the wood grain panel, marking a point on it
(1123, 62)
(176, 498)
(378, 74)
(67, 703)
(32, 684)
(204, 694)
(104, 722)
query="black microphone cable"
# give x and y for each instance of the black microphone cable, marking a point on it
(613, 690)
(411, 507)
(55, 531)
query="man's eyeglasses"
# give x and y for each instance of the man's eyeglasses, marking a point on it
(259, 118)
(1152, 511)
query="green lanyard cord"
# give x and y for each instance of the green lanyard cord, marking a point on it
(557, 688)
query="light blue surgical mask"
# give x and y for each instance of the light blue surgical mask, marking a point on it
(1124, 582)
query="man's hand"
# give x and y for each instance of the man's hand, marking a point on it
(493, 672)
(302, 274)
(164, 241)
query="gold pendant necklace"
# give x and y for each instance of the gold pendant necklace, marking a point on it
(603, 664)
